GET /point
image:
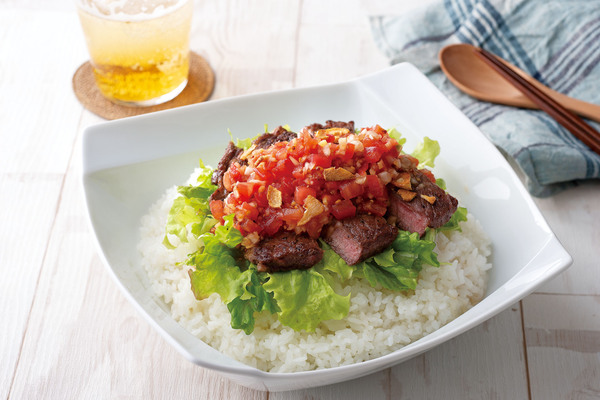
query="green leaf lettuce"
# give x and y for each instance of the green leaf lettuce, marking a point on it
(427, 151)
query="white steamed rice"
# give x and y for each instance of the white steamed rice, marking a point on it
(379, 321)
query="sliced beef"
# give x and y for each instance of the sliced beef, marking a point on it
(357, 238)
(285, 251)
(418, 213)
(278, 135)
(332, 124)
(232, 152)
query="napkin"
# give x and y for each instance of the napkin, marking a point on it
(556, 42)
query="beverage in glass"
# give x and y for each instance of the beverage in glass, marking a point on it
(139, 49)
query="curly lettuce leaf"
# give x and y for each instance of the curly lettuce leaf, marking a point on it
(191, 209)
(227, 234)
(216, 271)
(397, 268)
(255, 300)
(204, 179)
(427, 151)
(306, 298)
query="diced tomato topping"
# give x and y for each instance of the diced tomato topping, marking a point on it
(302, 192)
(227, 183)
(349, 153)
(217, 209)
(234, 172)
(343, 209)
(291, 214)
(350, 190)
(320, 160)
(261, 173)
(310, 143)
(374, 186)
(373, 153)
(378, 129)
(282, 154)
(260, 196)
(247, 225)
(269, 164)
(249, 210)
(362, 169)
(272, 224)
(330, 199)
(270, 187)
(284, 167)
(245, 189)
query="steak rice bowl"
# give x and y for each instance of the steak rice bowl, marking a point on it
(315, 249)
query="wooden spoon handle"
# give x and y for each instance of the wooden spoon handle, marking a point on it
(583, 108)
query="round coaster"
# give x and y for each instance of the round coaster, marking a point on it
(201, 81)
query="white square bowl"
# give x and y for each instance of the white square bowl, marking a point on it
(128, 164)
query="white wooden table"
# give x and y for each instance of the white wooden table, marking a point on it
(67, 332)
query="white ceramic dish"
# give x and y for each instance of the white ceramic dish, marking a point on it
(128, 164)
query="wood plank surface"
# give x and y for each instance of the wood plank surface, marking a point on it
(38, 126)
(68, 332)
(563, 346)
(487, 362)
(27, 221)
(250, 44)
(574, 215)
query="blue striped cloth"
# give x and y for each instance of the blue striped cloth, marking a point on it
(557, 42)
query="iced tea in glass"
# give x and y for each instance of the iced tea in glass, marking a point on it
(139, 49)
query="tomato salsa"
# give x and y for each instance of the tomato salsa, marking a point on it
(303, 184)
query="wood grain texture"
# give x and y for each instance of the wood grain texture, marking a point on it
(478, 364)
(39, 123)
(25, 220)
(37, 134)
(574, 215)
(563, 344)
(250, 44)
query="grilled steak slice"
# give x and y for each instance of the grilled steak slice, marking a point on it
(278, 135)
(285, 251)
(357, 238)
(232, 152)
(332, 124)
(431, 207)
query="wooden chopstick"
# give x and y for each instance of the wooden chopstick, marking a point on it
(579, 128)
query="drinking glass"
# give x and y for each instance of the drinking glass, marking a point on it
(139, 49)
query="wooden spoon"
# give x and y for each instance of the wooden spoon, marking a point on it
(474, 77)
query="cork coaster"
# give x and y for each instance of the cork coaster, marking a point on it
(201, 81)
